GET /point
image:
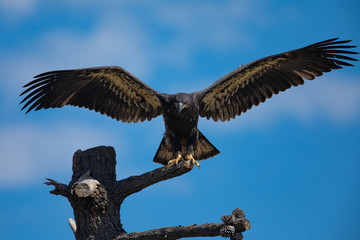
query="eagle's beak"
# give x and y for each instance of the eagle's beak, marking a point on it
(180, 107)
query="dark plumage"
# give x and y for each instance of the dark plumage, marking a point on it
(118, 94)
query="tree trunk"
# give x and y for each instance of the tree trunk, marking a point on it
(96, 196)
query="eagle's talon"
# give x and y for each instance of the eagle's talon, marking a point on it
(193, 161)
(176, 160)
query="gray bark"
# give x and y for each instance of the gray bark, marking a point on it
(96, 196)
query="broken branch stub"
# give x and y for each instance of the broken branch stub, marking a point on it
(86, 186)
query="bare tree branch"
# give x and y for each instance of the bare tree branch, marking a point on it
(135, 184)
(172, 233)
(60, 188)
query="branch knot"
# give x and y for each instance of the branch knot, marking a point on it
(227, 231)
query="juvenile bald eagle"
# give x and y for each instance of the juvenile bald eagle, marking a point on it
(118, 94)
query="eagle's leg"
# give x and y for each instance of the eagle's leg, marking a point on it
(193, 161)
(191, 145)
(176, 160)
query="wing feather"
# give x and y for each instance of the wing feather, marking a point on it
(108, 90)
(253, 83)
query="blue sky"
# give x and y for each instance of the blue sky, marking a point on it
(292, 163)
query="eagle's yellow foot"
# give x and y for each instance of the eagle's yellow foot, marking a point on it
(176, 160)
(193, 161)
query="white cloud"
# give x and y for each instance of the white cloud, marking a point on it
(17, 6)
(199, 25)
(30, 153)
(336, 101)
(103, 45)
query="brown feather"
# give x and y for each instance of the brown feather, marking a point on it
(107, 90)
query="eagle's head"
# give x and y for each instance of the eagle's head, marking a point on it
(182, 102)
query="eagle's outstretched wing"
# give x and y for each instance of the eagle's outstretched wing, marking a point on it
(108, 90)
(251, 84)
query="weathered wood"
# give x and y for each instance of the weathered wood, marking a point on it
(135, 184)
(86, 186)
(96, 216)
(72, 225)
(172, 233)
(96, 197)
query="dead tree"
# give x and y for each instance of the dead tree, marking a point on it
(95, 196)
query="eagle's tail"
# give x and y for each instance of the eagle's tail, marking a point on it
(204, 150)
(164, 153)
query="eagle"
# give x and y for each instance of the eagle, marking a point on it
(113, 91)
